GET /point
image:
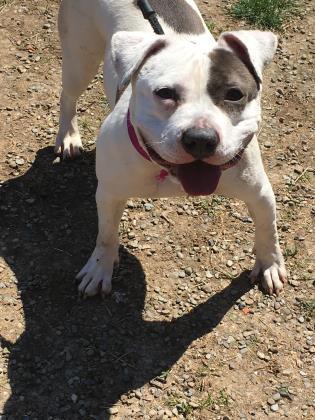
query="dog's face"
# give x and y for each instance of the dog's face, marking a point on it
(195, 107)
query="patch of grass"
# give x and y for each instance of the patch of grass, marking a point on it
(203, 371)
(290, 252)
(182, 406)
(208, 402)
(210, 25)
(172, 401)
(223, 399)
(268, 14)
(85, 125)
(104, 101)
(164, 374)
(208, 207)
(308, 307)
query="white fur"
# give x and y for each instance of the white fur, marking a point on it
(92, 29)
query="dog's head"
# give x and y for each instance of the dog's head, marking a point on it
(195, 106)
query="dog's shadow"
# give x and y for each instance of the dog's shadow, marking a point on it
(76, 359)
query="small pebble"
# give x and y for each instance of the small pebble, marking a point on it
(276, 396)
(113, 410)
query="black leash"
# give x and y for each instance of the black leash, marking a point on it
(150, 15)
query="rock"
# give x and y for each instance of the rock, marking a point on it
(148, 206)
(113, 410)
(294, 283)
(133, 244)
(276, 396)
(13, 164)
(274, 407)
(188, 271)
(249, 301)
(286, 311)
(206, 288)
(20, 161)
(261, 355)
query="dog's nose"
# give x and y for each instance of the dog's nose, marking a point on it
(200, 142)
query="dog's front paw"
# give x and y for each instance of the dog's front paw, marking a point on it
(271, 274)
(69, 146)
(96, 276)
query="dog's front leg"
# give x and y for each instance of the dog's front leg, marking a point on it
(96, 275)
(269, 260)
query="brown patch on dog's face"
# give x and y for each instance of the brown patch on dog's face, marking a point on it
(179, 15)
(231, 85)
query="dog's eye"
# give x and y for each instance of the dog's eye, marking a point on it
(234, 95)
(167, 93)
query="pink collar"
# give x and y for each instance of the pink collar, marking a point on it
(136, 144)
(134, 138)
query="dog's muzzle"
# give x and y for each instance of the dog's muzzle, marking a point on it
(197, 177)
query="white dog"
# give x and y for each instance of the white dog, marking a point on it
(185, 122)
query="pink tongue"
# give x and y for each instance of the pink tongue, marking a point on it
(199, 178)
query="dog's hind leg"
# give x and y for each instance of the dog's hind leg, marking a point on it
(82, 52)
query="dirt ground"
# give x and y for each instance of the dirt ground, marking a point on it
(183, 334)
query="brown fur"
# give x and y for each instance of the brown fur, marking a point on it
(187, 21)
(227, 71)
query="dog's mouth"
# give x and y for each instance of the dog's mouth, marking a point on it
(197, 177)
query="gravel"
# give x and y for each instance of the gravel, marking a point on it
(183, 334)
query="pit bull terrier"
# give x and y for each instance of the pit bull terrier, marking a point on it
(185, 122)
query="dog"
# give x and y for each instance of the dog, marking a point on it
(184, 121)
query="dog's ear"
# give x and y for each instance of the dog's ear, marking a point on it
(130, 50)
(254, 48)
